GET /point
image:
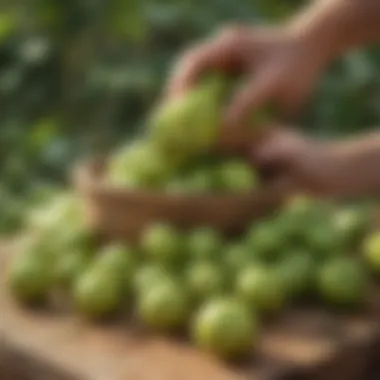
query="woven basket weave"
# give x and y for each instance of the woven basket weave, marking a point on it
(123, 214)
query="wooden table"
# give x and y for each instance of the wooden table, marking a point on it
(303, 344)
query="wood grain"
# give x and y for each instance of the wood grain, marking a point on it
(53, 344)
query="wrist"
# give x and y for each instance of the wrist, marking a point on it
(333, 26)
(318, 27)
(354, 166)
(325, 167)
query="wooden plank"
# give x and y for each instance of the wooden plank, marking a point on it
(53, 344)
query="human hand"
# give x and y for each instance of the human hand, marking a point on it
(279, 65)
(300, 162)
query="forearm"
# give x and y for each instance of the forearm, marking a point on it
(334, 26)
(355, 166)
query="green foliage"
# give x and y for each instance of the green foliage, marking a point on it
(77, 76)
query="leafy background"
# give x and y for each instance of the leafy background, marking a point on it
(78, 76)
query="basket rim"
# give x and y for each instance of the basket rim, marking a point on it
(87, 178)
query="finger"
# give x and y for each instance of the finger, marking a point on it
(279, 148)
(256, 92)
(188, 69)
(285, 182)
(271, 153)
(208, 56)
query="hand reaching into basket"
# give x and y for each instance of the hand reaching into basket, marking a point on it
(342, 168)
(281, 63)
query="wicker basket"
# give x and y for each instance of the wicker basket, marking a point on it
(123, 214)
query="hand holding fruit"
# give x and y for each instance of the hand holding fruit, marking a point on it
(281, 63)
(266, 57)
